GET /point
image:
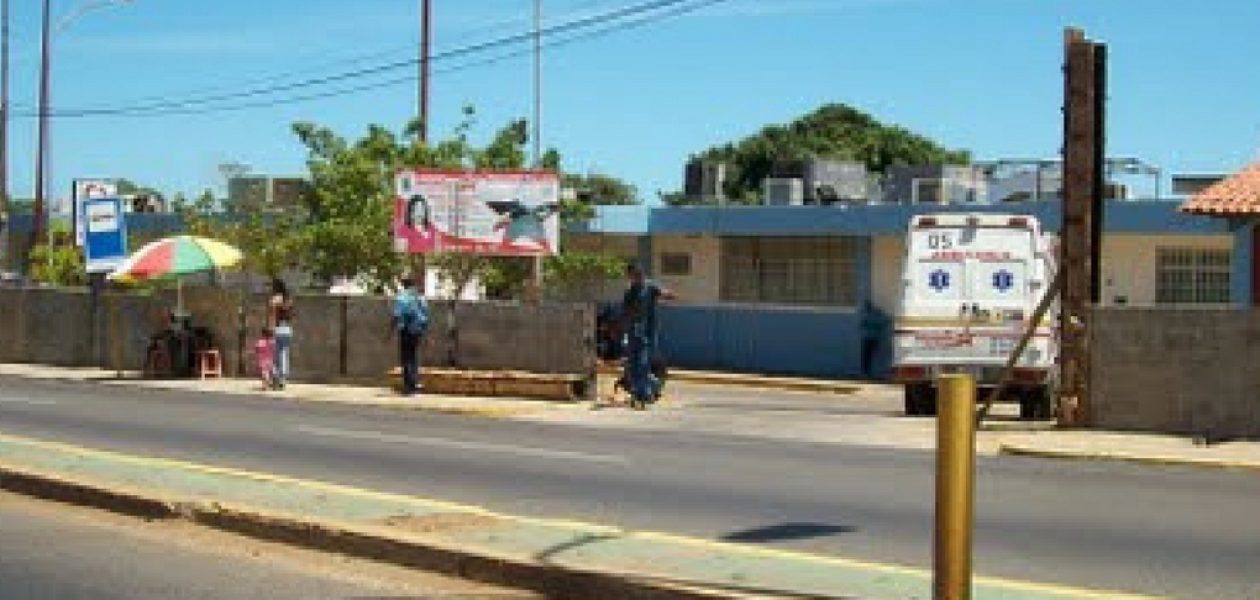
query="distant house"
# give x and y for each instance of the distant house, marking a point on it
(1235, 200)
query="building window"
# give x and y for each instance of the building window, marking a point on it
(812, 271)
(1192, 276)
(675, 264)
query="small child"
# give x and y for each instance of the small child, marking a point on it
(265, 358)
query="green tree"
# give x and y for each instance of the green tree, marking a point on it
(269, 240)
(58, 262)
(834, 131)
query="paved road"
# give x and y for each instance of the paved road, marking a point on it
(1187, 533)
(68, 553)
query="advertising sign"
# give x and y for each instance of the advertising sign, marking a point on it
(84, 190)
(105, 234)
(504, 213)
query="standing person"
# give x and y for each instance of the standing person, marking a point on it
(638, 317)
(280, 320)
(265, 358)
(411, 319)
(874, 324)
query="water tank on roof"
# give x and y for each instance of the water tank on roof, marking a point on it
(704, 180)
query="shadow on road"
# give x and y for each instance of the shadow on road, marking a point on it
(787, 532)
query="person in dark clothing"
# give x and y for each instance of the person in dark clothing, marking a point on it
(638, 319)
(410, 321)
(874, 331)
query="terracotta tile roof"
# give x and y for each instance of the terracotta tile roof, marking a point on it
(1238, 194)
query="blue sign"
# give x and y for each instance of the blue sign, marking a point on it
(105, 234)
(1003, 281)
(938, 280)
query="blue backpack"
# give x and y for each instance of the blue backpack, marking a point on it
(414, 314)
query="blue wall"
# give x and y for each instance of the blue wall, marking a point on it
(786, 341)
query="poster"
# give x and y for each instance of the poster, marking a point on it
(503, 213)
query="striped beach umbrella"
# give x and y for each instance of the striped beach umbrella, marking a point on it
(173, 257)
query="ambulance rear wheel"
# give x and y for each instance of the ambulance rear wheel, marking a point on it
(920, 400)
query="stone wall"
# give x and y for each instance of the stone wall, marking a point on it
(1183, 371)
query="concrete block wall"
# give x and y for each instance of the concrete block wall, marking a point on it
(1179, 371)
(55, 327)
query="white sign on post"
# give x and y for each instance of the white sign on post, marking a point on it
(84, 190)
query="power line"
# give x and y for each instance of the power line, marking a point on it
(411, 78)
(620, 15)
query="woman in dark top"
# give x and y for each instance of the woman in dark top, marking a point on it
(280, 320)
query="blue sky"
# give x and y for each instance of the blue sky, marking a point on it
(977, 74)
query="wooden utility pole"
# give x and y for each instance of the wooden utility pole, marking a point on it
(41, 151)
(426, 49)
(4, 109)
(1081, 241)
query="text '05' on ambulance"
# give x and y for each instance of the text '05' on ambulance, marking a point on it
(971, 283)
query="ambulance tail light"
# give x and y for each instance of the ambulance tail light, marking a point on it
(927, 222)
(1018, 222)
(909, 374)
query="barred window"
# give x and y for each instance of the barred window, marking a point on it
(1192, 276)
(813, 271)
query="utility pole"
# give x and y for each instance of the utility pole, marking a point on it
(537, 280)
(41, 151)
(4, 108)
(1084, 181)
(426, 48)
(537, 84)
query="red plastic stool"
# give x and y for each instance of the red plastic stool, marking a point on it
(209, 364)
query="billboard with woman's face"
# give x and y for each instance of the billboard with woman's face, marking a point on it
(504, 213)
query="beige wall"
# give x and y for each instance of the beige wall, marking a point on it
(887, 254)
(703, 285)
(1129, 263)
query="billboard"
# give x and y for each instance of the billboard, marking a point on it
(105, 234)
(504, 213)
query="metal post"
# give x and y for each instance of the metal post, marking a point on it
(41, 151)
(955, 487)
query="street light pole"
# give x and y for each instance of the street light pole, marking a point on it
(42, 156)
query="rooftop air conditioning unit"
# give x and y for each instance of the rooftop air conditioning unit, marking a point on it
(783, 192)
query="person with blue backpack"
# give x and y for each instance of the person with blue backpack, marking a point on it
(411, 320)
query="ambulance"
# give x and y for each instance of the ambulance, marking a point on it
(971, 283)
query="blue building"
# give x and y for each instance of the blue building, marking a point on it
(784, 289)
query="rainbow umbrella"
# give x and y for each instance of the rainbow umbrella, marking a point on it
(174, 257)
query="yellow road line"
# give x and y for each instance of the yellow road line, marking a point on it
(1012, 584)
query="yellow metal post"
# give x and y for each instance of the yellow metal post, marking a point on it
(955, 487)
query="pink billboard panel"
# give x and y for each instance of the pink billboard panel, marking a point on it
(504, 213)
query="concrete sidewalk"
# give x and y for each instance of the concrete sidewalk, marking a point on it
(562, 559)
(298, 392)
(868, 417)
